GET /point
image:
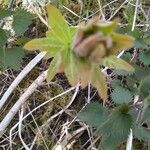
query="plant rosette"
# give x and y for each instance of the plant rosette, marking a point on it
(80, 51)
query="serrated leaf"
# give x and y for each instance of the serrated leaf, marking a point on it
(116, 63)
(131, 82)
(146, 115)
(71, 69)
(94, 114)
(115, 83)
(141, 133)
(139, 41)
(108, 143)
(53, 67)
(122, 72)
(11, 57)
(5, 13)
(121, 95)
(121, 42)
(99, 82)
(58, 24)
(21, 20)
(85, 71)
(144, 87)
(3, 38)
(116, 128)
(141, 72)
(145, 57)
(50, 45)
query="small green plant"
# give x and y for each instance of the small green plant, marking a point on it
(130, 106)
(80, 51)
(10, 54)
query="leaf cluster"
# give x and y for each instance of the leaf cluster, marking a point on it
(11, 56)
(80, 51)
(114, 127)
(114, 124)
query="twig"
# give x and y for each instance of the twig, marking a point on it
(46, 146)
(6, 121)
(52, 117)
(40, 107)
(20, 128)
(63, 110)
(101, 11)
(40, 17)
(118, 9)
(129, 141)
(72, 12)
(135, 14)
(19, 78)
(64, 144)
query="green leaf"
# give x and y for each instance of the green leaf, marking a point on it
(145, 57)
(73, 30)
(122, 72)
(85, 71)
(3, 38)
(108, 143)
(21, 20)
(5, 13)
(141, 133)
(121, 42)
(53, 67)
(115, 83)
(146, 115)
(71, 70)
(131, 83)
(99, 82)
(116, 128)
(50, 45)
(144, 87)
(116, 63)
(139, 41)
(94, 114)
(58, 24)
(140, 72)
(11, 57)
(121, 95)
(108, 28)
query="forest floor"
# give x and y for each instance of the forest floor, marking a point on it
(53, 108)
